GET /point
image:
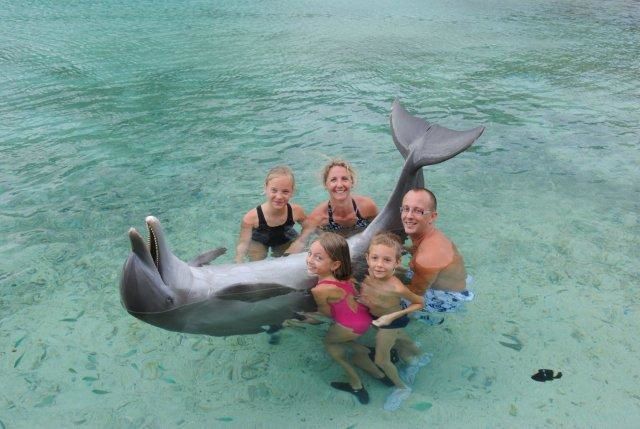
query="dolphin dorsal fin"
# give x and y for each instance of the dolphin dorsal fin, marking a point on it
(206, 257)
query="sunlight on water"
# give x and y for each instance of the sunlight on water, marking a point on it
(116, 110)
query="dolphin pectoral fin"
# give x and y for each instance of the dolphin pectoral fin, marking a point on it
(207, 257)
(253, 292)
(431, 142)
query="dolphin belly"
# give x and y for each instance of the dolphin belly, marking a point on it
(221, 316)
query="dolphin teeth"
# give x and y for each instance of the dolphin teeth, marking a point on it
(153, 247)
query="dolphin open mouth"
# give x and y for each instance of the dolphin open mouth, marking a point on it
(153, 246)
(143, 289)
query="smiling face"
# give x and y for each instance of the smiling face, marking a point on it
(382, 261)
(417, 213)
(319, 263)
(338, 182)
(279, 189)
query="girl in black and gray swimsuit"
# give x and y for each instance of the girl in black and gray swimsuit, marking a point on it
(274, 236)
(270, 226)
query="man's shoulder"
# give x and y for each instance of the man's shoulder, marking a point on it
(437, 243)
(435, 256)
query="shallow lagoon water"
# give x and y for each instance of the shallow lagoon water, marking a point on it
(113, 111)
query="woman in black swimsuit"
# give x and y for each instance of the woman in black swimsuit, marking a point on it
(271, 224)
(344, 213)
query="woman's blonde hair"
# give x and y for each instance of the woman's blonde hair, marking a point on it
(337, 248)
(338, 163)
(278, 171)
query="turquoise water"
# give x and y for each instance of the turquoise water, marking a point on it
(116, 110)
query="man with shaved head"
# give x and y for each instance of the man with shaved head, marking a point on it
(436, 263)
(436, 270)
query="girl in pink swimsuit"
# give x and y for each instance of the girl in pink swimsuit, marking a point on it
(329, 259)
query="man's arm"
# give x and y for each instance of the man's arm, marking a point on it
(430, 260)
(422, 280)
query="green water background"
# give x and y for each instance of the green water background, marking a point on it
(111, 111)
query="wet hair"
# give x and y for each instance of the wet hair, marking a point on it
(431, 195)
(338, 163)
(388, 239)
(338, 250)
(280, 170)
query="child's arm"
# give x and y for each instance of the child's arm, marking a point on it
(299, 216)
(321, 295)
(309, 225)
(299, 243)
(417, 302)
(311, 317)
(246, 227)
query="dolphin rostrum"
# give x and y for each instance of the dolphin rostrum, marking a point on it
(234, 299)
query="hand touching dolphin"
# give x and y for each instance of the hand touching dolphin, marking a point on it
(232, 299)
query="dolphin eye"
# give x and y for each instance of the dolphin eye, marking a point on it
(169, 300)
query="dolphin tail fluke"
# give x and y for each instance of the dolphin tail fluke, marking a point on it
(432, 143)
(421, 143)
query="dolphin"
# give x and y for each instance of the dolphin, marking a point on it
(236, 299)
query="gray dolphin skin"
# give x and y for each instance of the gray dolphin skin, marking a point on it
(235, 299)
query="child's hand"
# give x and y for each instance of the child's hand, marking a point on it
(307, 318)
(382, 321)
(295, 247)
